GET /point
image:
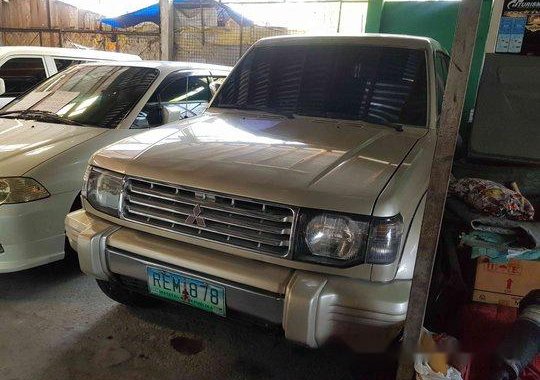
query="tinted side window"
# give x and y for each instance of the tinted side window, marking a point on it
(21, 74)
(183, 89)
(198, 90)
(186, 89)
(62, 64)
(173, 91)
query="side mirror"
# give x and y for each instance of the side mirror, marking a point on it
(155, 116)
(2, 87)
(173, 112)
(215, 87)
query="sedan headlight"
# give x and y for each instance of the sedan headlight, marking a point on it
(102, 189)
(344, 240)
(21, 190)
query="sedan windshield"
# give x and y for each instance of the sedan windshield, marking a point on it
(98, 96)
(382, 85)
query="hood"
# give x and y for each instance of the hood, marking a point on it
(24, 144)
(317, 163)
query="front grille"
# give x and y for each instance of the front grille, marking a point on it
(251, 224)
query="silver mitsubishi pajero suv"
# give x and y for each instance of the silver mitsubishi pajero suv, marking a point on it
(296, 199)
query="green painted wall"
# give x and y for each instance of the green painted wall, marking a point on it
(436, 19)
(373, 17)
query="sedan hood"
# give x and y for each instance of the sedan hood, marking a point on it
(24, 144)
(316, 163)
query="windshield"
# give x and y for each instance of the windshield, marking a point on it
(371, 83)
(98, 96)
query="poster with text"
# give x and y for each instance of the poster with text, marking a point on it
(519, 28)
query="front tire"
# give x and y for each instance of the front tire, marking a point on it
(70, 255)
(124, 296)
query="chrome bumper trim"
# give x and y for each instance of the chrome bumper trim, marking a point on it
(255, 302)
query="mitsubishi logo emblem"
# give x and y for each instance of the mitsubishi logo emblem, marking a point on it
(195, 217)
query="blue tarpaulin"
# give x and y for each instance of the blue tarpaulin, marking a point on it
(151, 13)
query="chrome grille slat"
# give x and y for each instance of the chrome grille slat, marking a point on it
(256, 225)
(213, 216)
(224, 231)
(208, 205)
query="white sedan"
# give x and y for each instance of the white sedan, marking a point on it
(47, 137)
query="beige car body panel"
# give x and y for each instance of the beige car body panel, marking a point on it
(336, 165)
(317, 308)
(306, 162)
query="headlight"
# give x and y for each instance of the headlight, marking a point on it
(102, 189)
(21, 190)
(331, 239)
(345, 240)
(336, 237)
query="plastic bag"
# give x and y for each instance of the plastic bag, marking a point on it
(424, 371)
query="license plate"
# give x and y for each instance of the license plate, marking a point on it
(188, 290)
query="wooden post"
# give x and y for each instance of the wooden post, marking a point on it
(166, 9)
(49, 21)
(49, 17)
(452, 108)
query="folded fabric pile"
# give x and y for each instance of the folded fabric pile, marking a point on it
(498, 248)
(498, 238)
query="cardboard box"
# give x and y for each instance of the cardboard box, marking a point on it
(505, 284)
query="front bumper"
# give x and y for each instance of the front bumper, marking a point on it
(313, 309)
(32, 234)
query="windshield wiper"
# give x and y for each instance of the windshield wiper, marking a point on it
(397, 126)
(45, 116)
(9, 112)
(288, 115)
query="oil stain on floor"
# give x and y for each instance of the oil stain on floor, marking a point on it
(187, 346)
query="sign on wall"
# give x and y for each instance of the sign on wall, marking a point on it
(519, 28)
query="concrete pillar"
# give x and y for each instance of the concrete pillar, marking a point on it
(166, 15)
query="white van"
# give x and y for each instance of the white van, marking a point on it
(22, 67)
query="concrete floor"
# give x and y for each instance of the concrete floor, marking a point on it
(56, 324)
